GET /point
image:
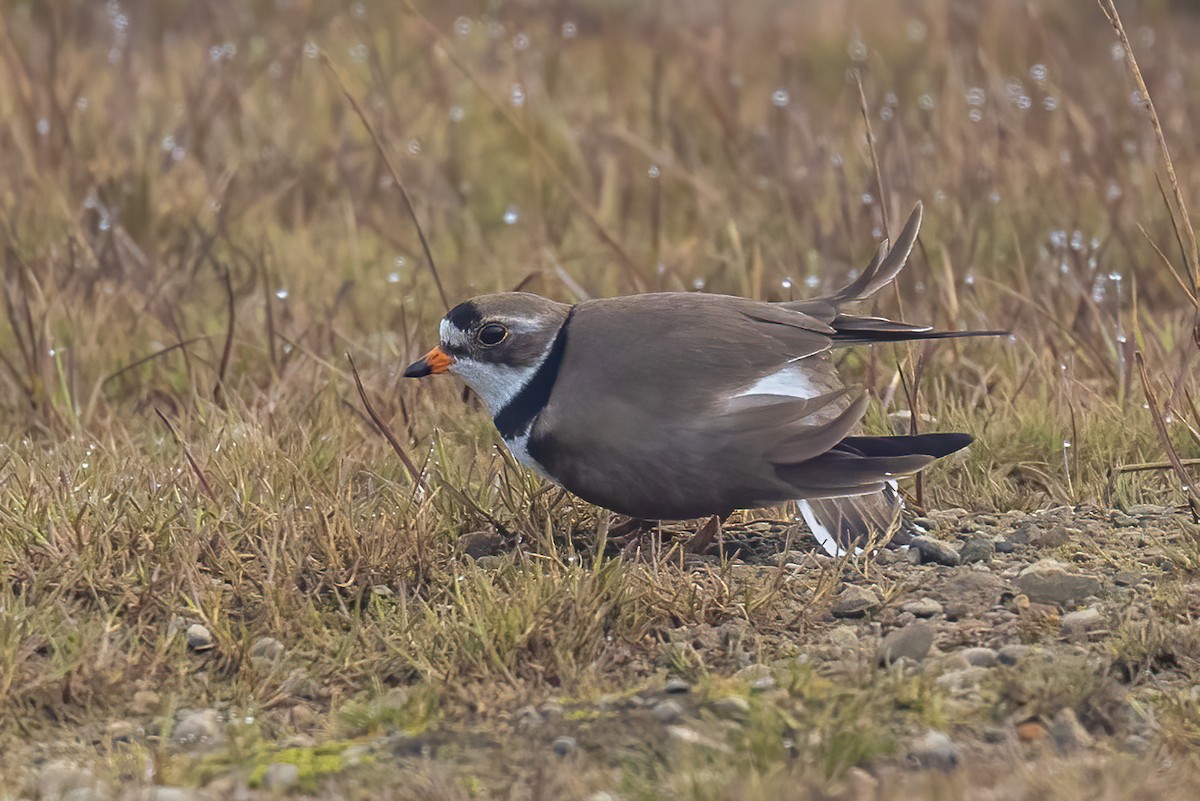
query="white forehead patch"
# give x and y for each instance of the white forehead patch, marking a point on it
(451, 335)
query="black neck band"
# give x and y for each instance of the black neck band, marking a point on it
(517, 416)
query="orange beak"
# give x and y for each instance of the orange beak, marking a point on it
(435, 362)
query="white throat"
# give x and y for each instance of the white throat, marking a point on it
(495, 384)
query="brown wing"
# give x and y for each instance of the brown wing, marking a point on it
(645, 424)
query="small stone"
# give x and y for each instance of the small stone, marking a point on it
(1005, 547)
(924, 607)
(199, 730)
(1031, 731)
(62, 776)
(676, 686)
(1067, 732)
(1078, 623)
(565, 746)
(934, 751)
(1135, 744)
(962, 681)
(863, 785)
(281, 777)
(481, 543)
(979, 657)
(169, 794)
(844, 637)
(145, 702)
(528, 716)
(1012, 654)
(266, 648)
(199, 638)
(1127, 578)
(935, 551)
(977, 549)
(552, 710)
(667, 711)
(731, 707)
(910, 642)
(1048, 582)
(762, 684)
(855, 601)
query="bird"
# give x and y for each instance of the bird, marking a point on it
(682, 405)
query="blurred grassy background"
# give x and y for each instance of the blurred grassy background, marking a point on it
(195, 222)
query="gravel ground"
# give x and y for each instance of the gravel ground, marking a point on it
(1024, 639)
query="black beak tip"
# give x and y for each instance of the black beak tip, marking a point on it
(418, 369)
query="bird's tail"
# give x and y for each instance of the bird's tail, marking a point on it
(849, 495)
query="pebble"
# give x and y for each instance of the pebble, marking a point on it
(198, 637)
(1012, 654)
(910, 642)
(980, 656)
(281, 777)
(145, 702)
(1005, 547)
(1031, 731)
(731, 707)
(961, 681)
(977, 549)
(266, 648)
(677, 686)
(1067, 732)
(934, 751)
(1049, 582)
(924, 607)
(565, 746)
(199, 730)
(855, 601)
(844, 637)
(60, 777)
(169, 794)
(1080, 622)
(667, 711)
(552, 710)
(481, 543)
(935, 551)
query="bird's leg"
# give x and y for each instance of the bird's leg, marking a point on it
(631, 530)
(710, 530)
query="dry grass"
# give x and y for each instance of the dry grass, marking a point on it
(197, 230)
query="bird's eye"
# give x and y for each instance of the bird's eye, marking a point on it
(492, 334)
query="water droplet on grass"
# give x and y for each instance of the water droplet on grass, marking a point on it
(43, 126)
(780, 98)
(462, 26)
(521, 41)
(976, 96)
(569, 30)
(281, 294)
(1038, 72)
(926, 102)
(511, 215)
(653, 172)
(1050, 103)
(456, 113)
(517, 95)
(311, 51)
(359, 53)
(698, 284)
